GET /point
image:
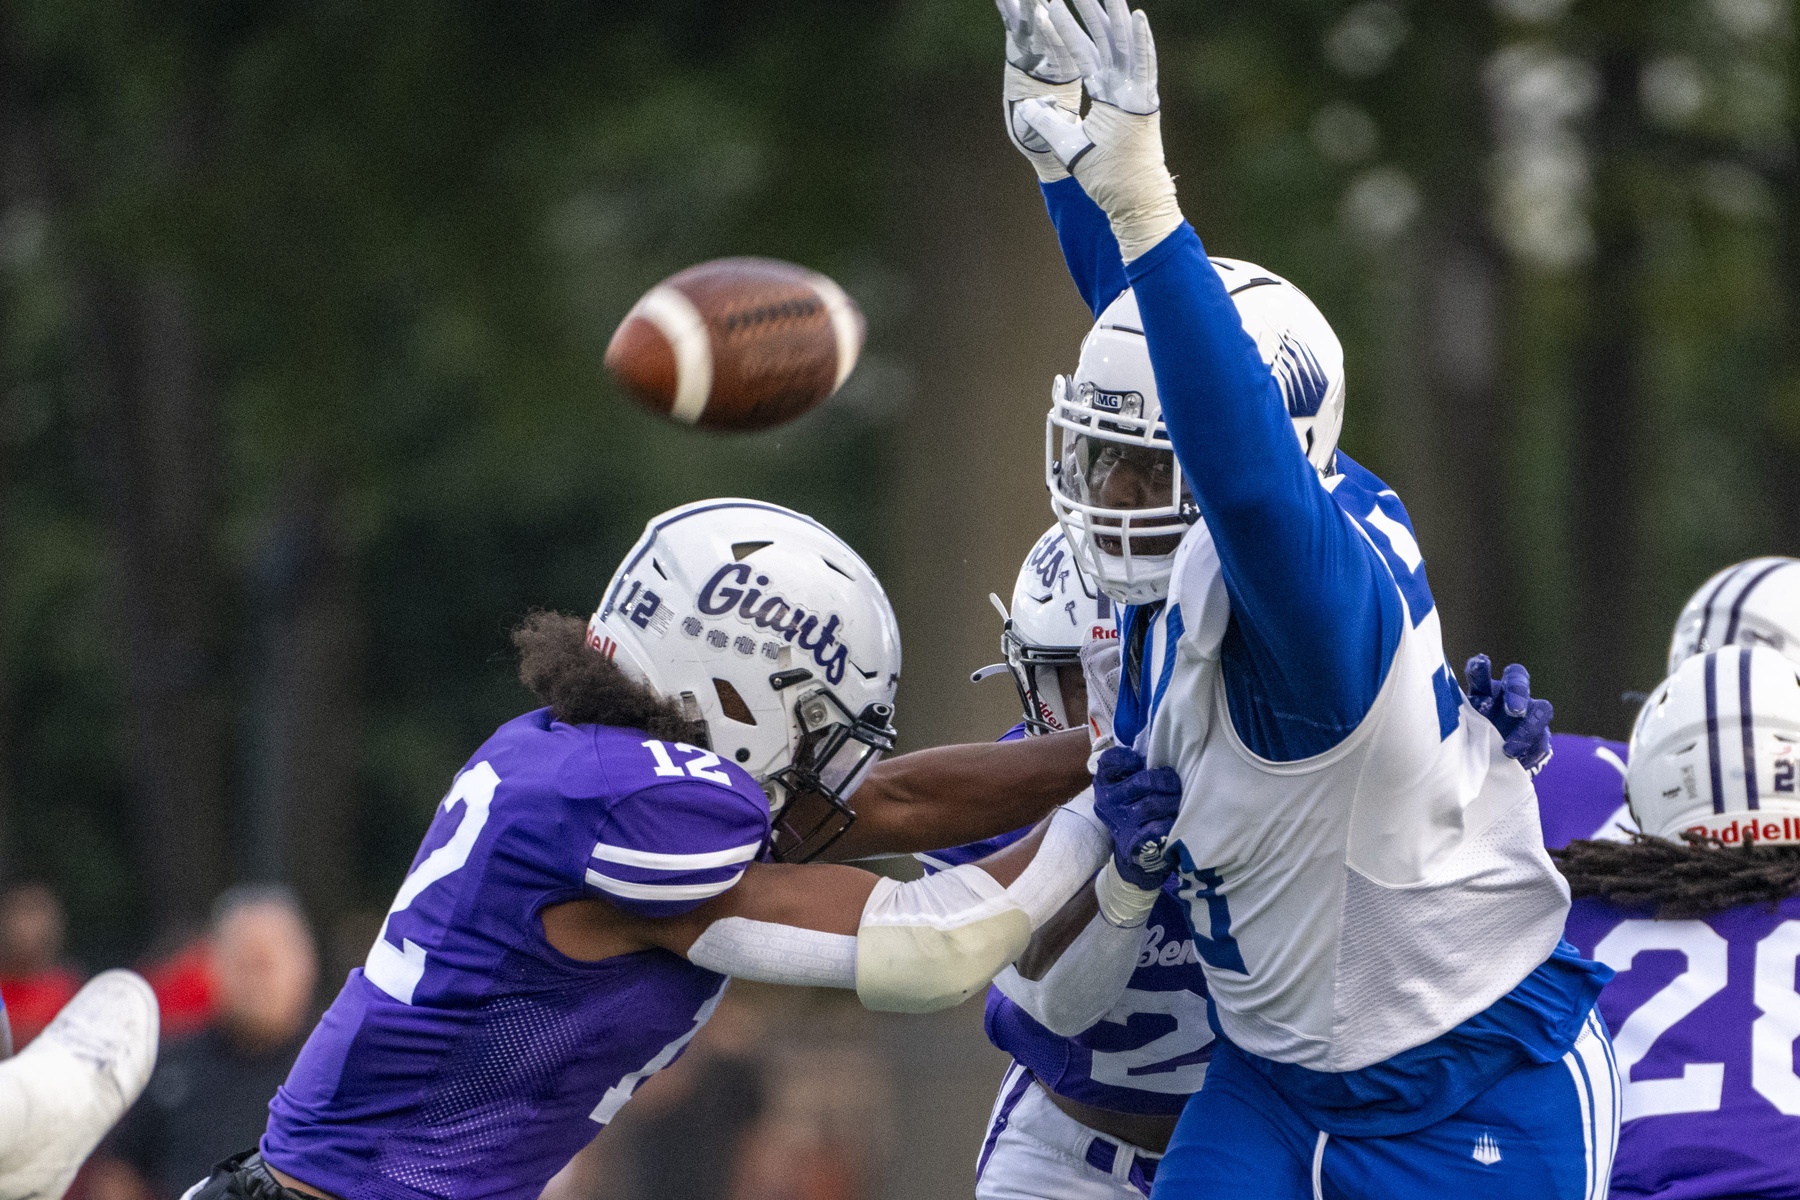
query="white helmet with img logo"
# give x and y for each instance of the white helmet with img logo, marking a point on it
(1055, 610)
(1715, 747)
(772, 634)
(1114, 481)
(1753, 603)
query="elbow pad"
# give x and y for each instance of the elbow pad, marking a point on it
(934, 942)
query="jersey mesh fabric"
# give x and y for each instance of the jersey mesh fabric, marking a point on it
(469, 1058)
(1473, 915)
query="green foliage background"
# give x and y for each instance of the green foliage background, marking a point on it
(398, 236)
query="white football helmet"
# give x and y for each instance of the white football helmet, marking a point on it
(1055, 610)
(1754, 603)
(1714, 749)
(771, 633)
(1114, 482)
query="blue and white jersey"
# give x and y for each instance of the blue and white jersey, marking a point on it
(1355, 903)
(1149, 1052)
(1378, 918)
(470, 1058)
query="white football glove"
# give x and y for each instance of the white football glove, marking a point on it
(1100, 666)
(1116, 152)
(1038, 67)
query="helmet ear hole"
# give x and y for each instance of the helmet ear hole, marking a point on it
(732, 703)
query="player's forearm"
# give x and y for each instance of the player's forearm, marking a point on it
(1084, 979)
(952, 795)
(1088, 245)
(904, 947)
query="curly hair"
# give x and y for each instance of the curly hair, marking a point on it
(584, 687)
(1695, 877)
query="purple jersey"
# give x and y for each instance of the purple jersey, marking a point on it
(1581, 791)
(469, 1058)
(1149, 1053)
(1704, 1015)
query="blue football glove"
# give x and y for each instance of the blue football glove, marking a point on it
(1138, 808)
(1521, 720)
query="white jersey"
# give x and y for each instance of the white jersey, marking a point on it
(1366, 900)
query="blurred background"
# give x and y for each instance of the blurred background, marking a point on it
(302, 306)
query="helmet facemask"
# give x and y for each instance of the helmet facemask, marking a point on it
(1117, 488)
(1034, 673)
(834, 755)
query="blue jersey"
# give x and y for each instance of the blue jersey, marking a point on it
(1704, 1014)
(1149, 1052)
(468, 1057)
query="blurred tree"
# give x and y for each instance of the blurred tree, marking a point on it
(302, 306)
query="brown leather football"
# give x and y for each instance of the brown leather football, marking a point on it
(737, 344)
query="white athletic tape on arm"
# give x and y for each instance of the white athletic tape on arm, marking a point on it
(675, 316)
(1083, 984)
(844, 325)
(1073, 848)
(934, 942)
(770, 953)
(1122, 903)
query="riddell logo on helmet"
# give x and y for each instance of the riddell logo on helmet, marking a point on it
(1785, 830)
(787, 621)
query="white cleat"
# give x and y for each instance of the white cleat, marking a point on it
(60, 1095)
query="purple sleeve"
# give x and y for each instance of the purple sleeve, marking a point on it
(1088, 245)
(667, 849)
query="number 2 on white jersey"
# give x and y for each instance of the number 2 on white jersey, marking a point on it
(1700, 1086)
(397, 970)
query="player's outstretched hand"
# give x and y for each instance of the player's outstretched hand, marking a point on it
(1038, 67)
(1116, 151)
(1137, 804)
(1507, 702)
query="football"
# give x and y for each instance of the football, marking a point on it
(737, 344)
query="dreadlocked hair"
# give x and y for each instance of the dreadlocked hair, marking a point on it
(1694, 877)
(584, 687)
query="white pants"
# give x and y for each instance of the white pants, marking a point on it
(1036, 1151)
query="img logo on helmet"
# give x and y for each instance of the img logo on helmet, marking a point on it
(731, 587)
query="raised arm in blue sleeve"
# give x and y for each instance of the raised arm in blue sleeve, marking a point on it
(1088, 244)
(1315, 615)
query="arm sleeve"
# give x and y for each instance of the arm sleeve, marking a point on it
(1088, 244)
(1315, 616)
(666, 849)
(1085, 981)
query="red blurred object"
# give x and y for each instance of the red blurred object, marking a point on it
(184, 988)
(33, 1000)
